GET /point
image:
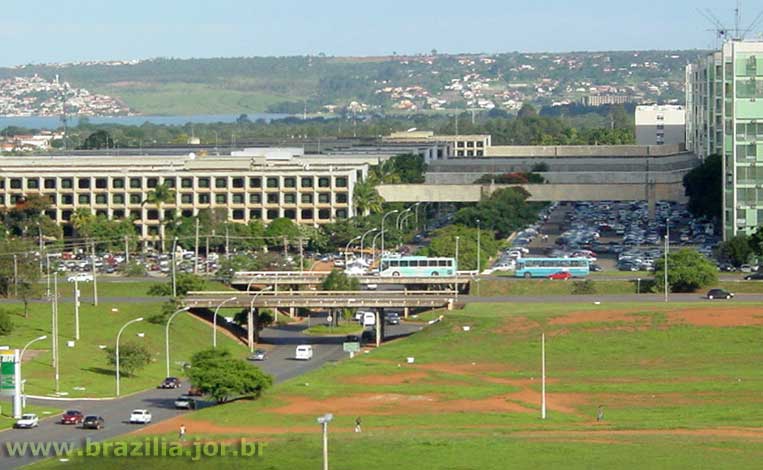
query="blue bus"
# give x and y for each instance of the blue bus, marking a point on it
(417, 266)
(544, 267)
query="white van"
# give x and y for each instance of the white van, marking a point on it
(304, 352)
(369, 319)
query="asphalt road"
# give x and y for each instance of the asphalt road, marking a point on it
(566, 299)
(281, 342)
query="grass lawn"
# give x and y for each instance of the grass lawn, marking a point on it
(6, 416)
(680, 385)
(544, 287)
(84, 369)
(138, 288)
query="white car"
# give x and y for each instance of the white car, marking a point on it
(81, 277)
(27, 421)
(140, 417)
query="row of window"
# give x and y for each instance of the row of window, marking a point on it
(470, 144)
(470, 153)
(187, 198)
(187, 182)
(237, 214)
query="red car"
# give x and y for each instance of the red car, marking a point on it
(72, 417)
(561, 275)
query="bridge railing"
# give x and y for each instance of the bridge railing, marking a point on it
(313, 294)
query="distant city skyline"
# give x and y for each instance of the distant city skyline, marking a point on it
(82, 30)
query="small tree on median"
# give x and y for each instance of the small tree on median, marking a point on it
(216, 373)
(132, 357)
(688, 271)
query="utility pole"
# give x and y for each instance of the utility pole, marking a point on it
(76, 309)
(127, 250)
(42, 248)
(206, 265)
(95, 280)
(301, 257)
(479, 229)
(543, 376)
(196, 250)
(227, 242)
(174, 263)
(667, 249)
(55, 331)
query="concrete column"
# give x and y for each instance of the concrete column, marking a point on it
(405, 312)
(651, 201)
(379, 317)
(250, 331)
(291, 312)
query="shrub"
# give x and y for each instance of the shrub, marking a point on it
(586, 287)
(6, 325)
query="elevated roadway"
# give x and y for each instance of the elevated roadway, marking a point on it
(242, 280)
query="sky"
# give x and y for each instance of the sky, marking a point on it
(42, 31)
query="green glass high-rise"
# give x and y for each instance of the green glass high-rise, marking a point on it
(724, 102)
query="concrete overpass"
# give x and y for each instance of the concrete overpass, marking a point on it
(289, 280)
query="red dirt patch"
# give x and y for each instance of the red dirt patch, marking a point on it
(517, 325)
(598, 316)
(747, 433)
(207, 428)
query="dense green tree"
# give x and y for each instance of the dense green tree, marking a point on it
(736, 250)
(217, 373)
(157, 197)
(504, 212)
(282, 231)
(6, 324)
(444, 245)
(527, 111)
(184, 283)
(704, 188)
(132, 357)
(99, 139)
(688, 271)
(338, 280)
(367, 199)
(26, 267)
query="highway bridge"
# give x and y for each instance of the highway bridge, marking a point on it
(291, 300)
(289, 280)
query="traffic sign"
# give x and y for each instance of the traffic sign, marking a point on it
(352, 347)
(7, 373)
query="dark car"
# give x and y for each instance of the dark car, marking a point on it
(754, 276)
(368, 336)
(93, 422)
(392, 319)
(352, 339)
(72, 417)
(170, 382)
(595, 268)
(719, 294)
(195, 392)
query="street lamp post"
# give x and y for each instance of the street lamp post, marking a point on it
(347, 249)
(399, 226)
(457, 239)
(19, 401)
(167, 337)
(117, 350)
(479, 230)
(362, 238)
(251, 326)
(416, 211)
(174, 262)
(324, 422)
(667, 249)
(373, 247)
(382, 228)
(214, 320)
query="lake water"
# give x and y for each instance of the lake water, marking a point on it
(53, 122)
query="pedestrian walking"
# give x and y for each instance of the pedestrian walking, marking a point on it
(182, 432)
(357, 424)
(600, 414)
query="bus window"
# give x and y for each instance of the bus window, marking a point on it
(394, 263)
(403, 263)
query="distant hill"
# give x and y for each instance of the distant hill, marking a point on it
(436, 83)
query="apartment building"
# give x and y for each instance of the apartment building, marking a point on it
(660, 125)
(724, 96)
(260, 184)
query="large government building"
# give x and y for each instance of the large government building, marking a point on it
(255, 184)
(724, 105)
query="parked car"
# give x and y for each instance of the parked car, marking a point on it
(595, 268)
(258, 355)
(27, 421)
(719, 294)
(745, 268)
(72, 417)
(352, 339)
(170, 382)
(185, 402)
(754, 276)
(93, 422)
(561, 276)
(80, 277)
(140, 417)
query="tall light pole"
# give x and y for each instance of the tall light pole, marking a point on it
(174, 262)
(347, 249)
(362, 238)
(18, 400)
(117, 351)
(416, 211)
(214, 320)
(457, 239)
(397, 219)
(250, 325)
(479, 230)
(383, 229)
(667, 249)
(167, 337)
(324, 422)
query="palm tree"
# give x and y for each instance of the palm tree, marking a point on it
(160, 195)
(367, 199)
